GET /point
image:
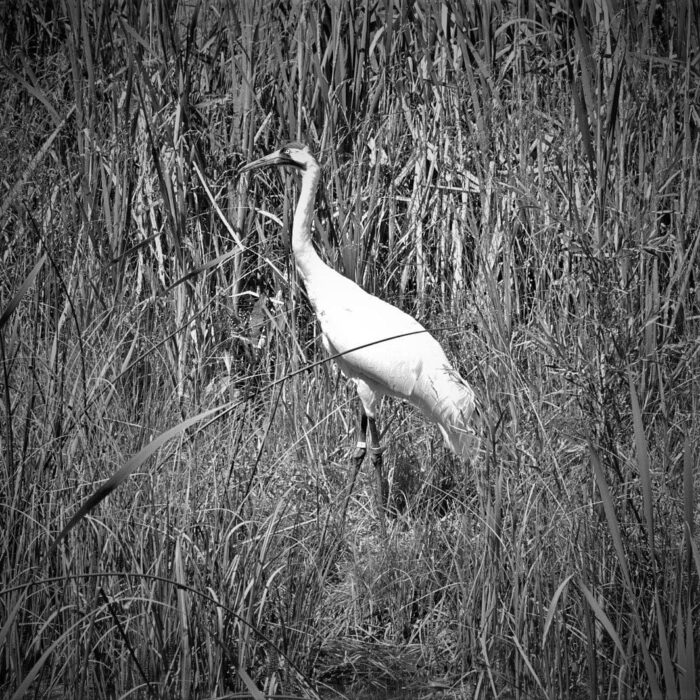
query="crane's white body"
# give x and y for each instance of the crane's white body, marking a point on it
(413, 367)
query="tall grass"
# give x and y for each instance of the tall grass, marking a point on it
(522, 177)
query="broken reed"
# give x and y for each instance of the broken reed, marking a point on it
(528, 179)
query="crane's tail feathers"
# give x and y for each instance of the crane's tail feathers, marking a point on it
(449, 401)
(462, 442)
(454, 415)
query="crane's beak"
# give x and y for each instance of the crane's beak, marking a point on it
(275, 158)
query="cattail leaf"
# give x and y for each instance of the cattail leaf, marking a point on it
(642, 451)
(685, 642)
(120, 476)
(610, 516)
(664, 645)
(529, 665)
(253, 689)
(14, 302)
(604, 620)
(551, 610)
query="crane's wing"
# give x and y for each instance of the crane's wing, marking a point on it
(351, 318)
(413, 366)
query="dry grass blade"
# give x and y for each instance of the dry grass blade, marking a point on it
(183, 608)
(14, 302)
(239, 243)
(689, 495)
(685, 641)
(610, 515)
(585, 56)
(36, 668)
(7, 624)
(687, 265)
(529, 666)
(32, 165)
(553, 607)
(125, 472)
(643, 464)
(669, 673)
(113, 611)
(604, 620)
(253, 689)
(614, 527)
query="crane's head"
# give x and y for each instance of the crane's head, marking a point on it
(294, 154)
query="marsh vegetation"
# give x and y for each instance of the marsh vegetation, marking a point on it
(521, 177)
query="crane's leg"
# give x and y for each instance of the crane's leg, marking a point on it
(369, 401)
(361, 448)
(368, 421)
(356, 460)
(375, 455)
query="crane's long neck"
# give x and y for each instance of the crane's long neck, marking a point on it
(306, 257)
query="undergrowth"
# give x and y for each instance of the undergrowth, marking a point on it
(522, 178)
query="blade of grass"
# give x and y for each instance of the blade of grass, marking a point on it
(120, 476)
(643, 464)
(14, 302)
(253, 689)
(614, 526)
(34, 671)
(604, 620)
(610, 516)
(689, 498)
(529, 666)
(183, 609)
(553, 607)
(33, 163)
(666, 663)
(687, 662)
(5, 630)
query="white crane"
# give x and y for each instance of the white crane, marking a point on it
(412, 366)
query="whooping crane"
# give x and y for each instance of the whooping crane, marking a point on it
(412, 367)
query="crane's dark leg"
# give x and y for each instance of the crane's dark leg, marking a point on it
(367, 421)
(375, 455)
(361, 448)
(356, 460)
(370, 400)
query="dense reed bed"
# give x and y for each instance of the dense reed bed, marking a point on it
(522, 177)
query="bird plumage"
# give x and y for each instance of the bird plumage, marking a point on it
(413, 367)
